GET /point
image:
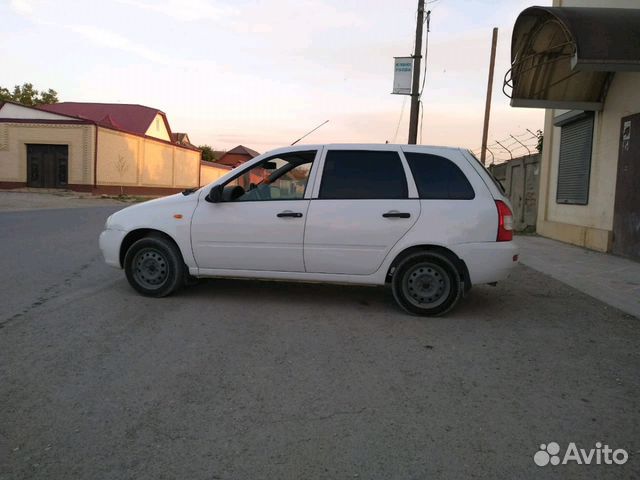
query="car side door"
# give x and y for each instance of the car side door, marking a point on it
(258, 224)
(364, 202)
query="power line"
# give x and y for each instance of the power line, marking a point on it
(426, 52)
(424, 73)
(404, 102)
(421, 116)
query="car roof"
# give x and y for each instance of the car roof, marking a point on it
(365, 146)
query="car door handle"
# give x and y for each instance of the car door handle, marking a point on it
(394, 214)
(287, 213)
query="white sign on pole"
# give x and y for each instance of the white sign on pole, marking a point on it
(402, 75)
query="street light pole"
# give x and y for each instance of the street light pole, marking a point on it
(415, 85)
(487, 107)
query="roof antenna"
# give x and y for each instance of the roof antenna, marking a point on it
(310, 132)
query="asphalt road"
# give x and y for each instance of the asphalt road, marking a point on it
(239, 379)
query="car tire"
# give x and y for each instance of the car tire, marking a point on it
(426, 283)
(154, 266)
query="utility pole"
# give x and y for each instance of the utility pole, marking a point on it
(415, 84)
(487, 107)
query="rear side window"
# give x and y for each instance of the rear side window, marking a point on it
(439, 178)
(363, 174)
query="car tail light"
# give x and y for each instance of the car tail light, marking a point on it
(505, 222)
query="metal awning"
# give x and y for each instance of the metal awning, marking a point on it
(565, 57)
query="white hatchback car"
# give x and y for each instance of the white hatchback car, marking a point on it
(430, 221)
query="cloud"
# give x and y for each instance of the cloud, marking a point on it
(109, 39)
(293, 25)
(99, 36)
(184, 10)
(21, 7)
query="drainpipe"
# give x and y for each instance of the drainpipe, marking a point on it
(95, 159)
(199, 169)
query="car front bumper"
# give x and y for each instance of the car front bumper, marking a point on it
(110, 241)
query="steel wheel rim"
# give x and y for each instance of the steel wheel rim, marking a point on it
(426, 285)
(150, 268)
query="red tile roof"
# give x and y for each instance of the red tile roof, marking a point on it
(237, 156)
(181, 138)
(242, 150)
(129, 118)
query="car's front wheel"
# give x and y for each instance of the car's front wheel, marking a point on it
(154, 266)
(426, 283)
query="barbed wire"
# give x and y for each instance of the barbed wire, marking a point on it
(512, 146)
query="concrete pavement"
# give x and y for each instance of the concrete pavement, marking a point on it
(40, 198)
(611, 279)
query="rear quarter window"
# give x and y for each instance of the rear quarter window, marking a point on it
(495, 181)
(438, 178)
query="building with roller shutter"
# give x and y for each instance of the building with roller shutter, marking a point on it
(94, 147)
(580, 60)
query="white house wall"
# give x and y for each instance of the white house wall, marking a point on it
(158, 129)
(589, 225)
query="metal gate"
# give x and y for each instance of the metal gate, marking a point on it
(47, 165)
(626, 213)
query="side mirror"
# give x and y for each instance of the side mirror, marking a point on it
(215, 195)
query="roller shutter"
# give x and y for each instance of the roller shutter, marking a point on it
(574, 166)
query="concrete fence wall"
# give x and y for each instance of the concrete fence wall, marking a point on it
(139, 162)
(124, 163)
(521, 178)
(210, 171)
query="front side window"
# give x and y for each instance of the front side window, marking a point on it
(283, 177)
(363, 174)
(438, 178)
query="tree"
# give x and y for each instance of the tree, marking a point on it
(27, 95)
(540, 140)
(208, 153)
(121, 167)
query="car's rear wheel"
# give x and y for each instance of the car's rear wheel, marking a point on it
(426, 283)
(154, 266)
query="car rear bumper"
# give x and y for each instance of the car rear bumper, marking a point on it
(488, 262)
(110, 241)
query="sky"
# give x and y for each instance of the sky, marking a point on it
(264, 72)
